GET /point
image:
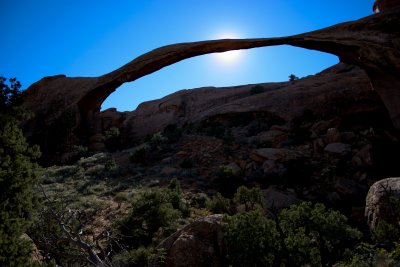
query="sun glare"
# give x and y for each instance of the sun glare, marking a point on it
(228, 57)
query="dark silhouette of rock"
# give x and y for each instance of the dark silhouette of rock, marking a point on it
(197, 244)
(67, 108)
(279, 199)
(384, 5)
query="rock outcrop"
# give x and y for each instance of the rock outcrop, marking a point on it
(67, 108)
(197, 244)
(384, 5)
(379, 205)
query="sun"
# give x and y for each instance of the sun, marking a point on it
(229, 57)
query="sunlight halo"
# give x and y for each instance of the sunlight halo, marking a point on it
(229, 57)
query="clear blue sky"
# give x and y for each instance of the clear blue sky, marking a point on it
(89, 38)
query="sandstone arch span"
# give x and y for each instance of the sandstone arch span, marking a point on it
(372, 43)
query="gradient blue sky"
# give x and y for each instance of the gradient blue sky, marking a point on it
(89, 38)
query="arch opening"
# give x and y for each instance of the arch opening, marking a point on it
(254, 66)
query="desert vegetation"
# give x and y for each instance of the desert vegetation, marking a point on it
(118, 208)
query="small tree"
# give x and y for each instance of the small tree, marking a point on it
(18, 179)
(251, 198)
(10, 94)
(251, 240)
(315, 236)
(152, 217)
(293, 77)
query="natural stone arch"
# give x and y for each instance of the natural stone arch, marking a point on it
(372, 43)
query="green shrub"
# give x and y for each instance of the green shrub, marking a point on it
(121, 197)
(18, 179)
(226, 171)
(139, 257)
(176, 197)
(218, 204)
(112, 139)
(316, 236)
(251, 240)
(251, 198)
(386, 234)
(302, 235)
(366, 255)
(158, 141)
(110, 165)
(293, 77)
(139, 155)
(151, 212)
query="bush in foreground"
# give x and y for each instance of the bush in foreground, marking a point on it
(302, 235)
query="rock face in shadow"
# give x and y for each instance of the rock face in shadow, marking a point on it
(286, 100)
(384, 5)
(197, 244)
(67, 109)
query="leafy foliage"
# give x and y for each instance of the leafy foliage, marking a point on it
(10, 94)
(293, 77)
(150, 151)
(112, 139)
(142, 256)
(218, 204)
(251, 198)
(314, 235)
(18, 178)
(176, 199)
(302, 235)
(153, 216)
(251, 239)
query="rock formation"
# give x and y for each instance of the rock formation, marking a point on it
(197, 244)
(379, 205)
(383, 5)
(66, 109)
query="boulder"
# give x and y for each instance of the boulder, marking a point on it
(349, 188)
(363, 158)
(275, 154)
(197, 244)
(321, 127)
(279, 199)
(378, 201)
(168, 170)
(273, 167)
(338, 149)
(272, 137)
